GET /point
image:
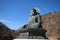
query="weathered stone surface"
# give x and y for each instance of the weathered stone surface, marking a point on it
(6, 32)
(51, 22)
(34, 21)
(24, 35)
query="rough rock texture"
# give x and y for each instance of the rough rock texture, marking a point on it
(51, 22)
(6, 32)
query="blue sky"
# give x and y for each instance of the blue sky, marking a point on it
(16, 13)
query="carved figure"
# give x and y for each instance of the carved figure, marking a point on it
(35, 20)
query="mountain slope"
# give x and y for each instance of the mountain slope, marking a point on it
(51, 22)
(6, 32)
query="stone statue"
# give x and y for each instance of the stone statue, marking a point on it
(34, 27)
(35, 20)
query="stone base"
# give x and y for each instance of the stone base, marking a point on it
(33, 33)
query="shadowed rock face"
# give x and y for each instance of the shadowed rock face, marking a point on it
(5, 32)
(51, 22)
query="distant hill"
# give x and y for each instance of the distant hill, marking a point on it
(6, 32)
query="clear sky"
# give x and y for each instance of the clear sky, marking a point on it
(16, 13)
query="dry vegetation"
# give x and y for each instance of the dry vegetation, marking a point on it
(51, 22)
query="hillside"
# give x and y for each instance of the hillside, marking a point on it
(51, 22)
(6, 32)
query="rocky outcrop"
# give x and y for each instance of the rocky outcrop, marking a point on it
(51, 22)
(6, 32)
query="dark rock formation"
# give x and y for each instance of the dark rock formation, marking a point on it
(6, 33)
(4, 30)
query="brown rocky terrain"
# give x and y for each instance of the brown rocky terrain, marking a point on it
(51, 22)
(6, 32)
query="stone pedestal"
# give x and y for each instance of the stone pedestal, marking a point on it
(34, 33)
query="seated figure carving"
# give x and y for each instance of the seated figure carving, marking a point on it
(35, 20)
(34, 27)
